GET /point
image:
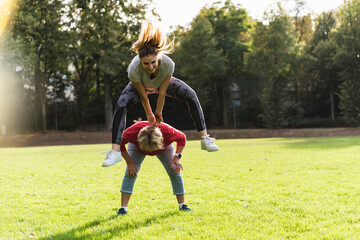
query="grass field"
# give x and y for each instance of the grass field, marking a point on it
(251, 189)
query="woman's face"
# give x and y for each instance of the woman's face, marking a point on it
(150, 63)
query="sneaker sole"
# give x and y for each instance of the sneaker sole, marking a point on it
(122, 214)
(109, 164)
(106, 165)
(213, 150)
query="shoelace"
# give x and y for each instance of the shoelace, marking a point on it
(107, 152)
(210, 138)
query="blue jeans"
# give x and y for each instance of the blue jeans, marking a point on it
(165, 157)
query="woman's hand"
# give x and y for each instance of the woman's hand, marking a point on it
(158, 121)
(131, 166)
(132, 170)
(176, 164)
(151, 119)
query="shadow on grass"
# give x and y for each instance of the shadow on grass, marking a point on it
(79, 232)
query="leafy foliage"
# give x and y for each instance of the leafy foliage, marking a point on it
(348, 56)
(36, 30)
(273, 50)
(213, 54)
(68, 61)
(100, 49)
(202, 61)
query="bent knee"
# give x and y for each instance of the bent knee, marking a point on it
(190, 95)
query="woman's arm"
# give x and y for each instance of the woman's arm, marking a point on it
(161, 98)
(140, 89)
(132, 168)
(180, 139)
(176, 161)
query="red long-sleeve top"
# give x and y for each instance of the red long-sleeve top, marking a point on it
(169, 133)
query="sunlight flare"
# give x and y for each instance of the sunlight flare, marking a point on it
(5, 11)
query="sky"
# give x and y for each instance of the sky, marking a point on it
(181, 12)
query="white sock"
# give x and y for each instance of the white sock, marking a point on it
(125, 208)
(181, 204)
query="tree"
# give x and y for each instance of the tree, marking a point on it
(102, 33)
(230, 25)
(302, 22)
(304, 30)
(203, 63)
(323, 48)
(348, 58)
(273, 51)
(220, 31)
(37, 27)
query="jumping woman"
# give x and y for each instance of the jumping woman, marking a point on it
(150, 72)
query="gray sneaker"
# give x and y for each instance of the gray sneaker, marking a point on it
(208, 144)
(111, 158)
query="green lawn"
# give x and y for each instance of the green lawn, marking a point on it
(252, 189)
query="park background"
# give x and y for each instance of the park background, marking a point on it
(63, 65)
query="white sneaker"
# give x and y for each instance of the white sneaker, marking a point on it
(112, 157)
(208, 144)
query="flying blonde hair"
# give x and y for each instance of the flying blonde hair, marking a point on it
(150, 139)
(152, 40)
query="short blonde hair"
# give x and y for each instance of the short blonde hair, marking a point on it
(150, 139)
(152, 40)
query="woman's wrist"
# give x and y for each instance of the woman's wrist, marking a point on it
(157, 115)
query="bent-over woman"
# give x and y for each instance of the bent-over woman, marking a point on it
(142, 140)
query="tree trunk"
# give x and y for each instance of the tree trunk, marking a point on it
(82, 107)
(81, 91)
(37, 91)
(40, 96)
(225, 96)
(332, 106)
(43, 112)
(218, 105)
(97, 81)
(108, 108)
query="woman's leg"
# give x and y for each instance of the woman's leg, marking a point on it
(179, 89)
(128, 182)
(165, 157)
(177, 183)
(127, 99)
(137, 157)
